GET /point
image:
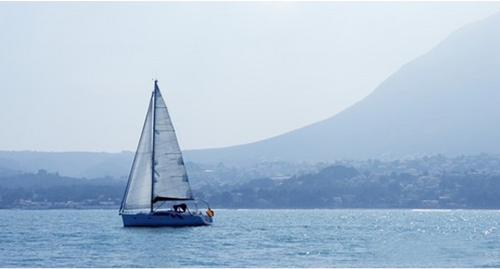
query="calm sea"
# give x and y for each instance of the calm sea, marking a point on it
(254, 238)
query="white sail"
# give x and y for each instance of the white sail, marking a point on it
(138, 193)
(170, 177)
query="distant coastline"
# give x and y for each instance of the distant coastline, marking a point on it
(427, 182)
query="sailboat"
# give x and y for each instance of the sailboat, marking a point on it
(158, 191)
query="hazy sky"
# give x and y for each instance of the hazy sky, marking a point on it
(77, 76)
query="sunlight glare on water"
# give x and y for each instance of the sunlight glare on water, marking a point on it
(255, 238)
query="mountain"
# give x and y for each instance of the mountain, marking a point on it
(72, 164)
(446, 101)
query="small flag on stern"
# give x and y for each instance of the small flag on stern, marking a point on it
(210, 212)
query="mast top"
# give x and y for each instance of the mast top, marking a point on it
(156, 86)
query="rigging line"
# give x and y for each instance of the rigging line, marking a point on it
(160, 205)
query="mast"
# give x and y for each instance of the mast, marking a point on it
(153, 146)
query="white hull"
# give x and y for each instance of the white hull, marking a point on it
(165, 218)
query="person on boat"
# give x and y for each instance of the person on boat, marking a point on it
(180, 208)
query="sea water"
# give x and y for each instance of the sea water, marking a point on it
(255, 238)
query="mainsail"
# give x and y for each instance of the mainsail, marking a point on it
(170, 177)
(158, 172)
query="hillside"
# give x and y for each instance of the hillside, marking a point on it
(444, 102)
(73, 164)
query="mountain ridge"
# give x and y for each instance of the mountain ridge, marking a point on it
(443, 102)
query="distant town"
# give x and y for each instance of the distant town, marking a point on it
(86, 204)
(422, 182)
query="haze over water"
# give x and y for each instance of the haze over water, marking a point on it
(77, 78)
(77, 75)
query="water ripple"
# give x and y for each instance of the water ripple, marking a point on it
(255, 238)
